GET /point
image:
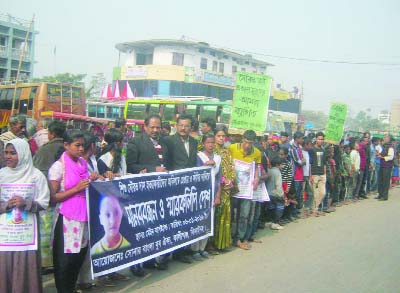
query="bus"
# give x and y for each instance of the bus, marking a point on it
(33, 99)
(136, 110)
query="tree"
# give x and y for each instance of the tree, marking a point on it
(96, 84)
(74, 79)
(362, 122)
(318, 118)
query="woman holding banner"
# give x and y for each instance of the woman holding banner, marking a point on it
(207, 157)
(20, 269)
(222, 224)
(69, 179)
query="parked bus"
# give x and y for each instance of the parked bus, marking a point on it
(33, 99)
(136, 110)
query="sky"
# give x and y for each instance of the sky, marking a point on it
(85, 33)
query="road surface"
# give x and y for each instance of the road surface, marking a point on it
(355, 249)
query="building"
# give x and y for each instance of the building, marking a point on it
(181, 68)
(384, 117)
(13, 33)
(395, 115)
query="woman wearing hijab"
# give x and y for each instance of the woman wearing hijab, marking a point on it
(20, 271)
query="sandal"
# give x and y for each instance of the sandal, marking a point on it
(255, 240)
(242, 245)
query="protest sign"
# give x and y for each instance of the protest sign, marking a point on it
(335, 125)
(138, 217)
(18, 228)
(244, 178)
(250, 101)
(261, 193)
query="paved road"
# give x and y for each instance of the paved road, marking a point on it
(355, 249)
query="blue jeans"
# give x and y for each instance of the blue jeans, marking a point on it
(298, 185)
(254, 219)
(241, 224)
(374, 178)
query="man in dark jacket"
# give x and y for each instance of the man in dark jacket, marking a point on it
(181, 153)
(145, 154)
(181, 147)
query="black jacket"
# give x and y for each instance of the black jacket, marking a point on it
(176, 157)
(141, 154)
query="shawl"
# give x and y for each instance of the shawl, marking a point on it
(7, 136)
(217, 159)
(74, 208)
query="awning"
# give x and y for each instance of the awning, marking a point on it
(68, 116)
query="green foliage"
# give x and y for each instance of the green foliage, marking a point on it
(363, 121)
(318, 118)
(360, 122)
(97, 82)
(74, 79)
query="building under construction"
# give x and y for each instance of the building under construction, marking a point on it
(16, 37)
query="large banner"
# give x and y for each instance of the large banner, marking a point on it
(138, 217)
(250, 101)
(335, 125)
(18, 228)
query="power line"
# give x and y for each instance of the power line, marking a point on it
(324, 61)
(306, 59)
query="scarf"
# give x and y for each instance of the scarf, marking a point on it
(74, 208)
(24, 172)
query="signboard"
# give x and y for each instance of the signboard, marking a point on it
(250, 101)
(18, 228)
(138, 217)
(335, 125)
(211, 77)
(153, 72)
(281, 95)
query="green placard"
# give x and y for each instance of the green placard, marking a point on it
(250, 101)
(335, 125)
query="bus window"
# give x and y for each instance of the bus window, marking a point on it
(100, 112)
(208, 112)
(23, 106)
(32, 96)
(53, 90)
(6, 99)
(191, 110)
(136, 111)
(76, 94)
(4, 105)
(169, 113)
(113, 112)
(225, 115)
(154, 109)
(92, 110)
(66, 91)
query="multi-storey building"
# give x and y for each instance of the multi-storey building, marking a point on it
(13, 32)
(182, 68)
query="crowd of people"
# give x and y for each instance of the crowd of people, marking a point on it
(304, 176)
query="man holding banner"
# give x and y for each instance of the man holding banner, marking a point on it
(181, 153)
(145, 154)
(244, 152)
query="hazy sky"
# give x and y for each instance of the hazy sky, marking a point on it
(85, 33)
